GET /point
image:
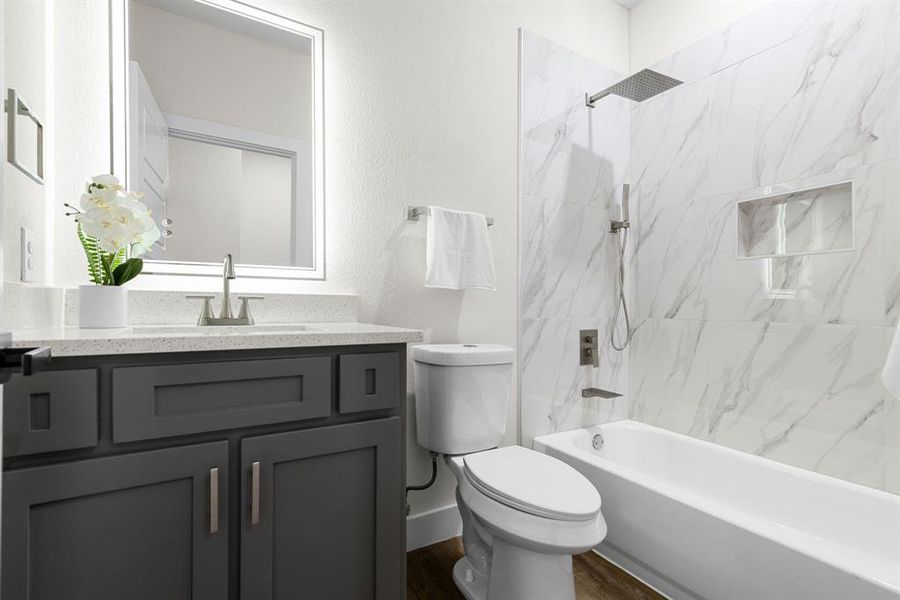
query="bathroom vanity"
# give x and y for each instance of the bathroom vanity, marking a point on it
(251, 466)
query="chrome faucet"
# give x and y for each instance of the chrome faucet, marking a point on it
(226, 316)
(227, 275)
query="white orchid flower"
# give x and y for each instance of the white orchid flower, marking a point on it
(115, 227)
(145, 241)
(110, 181)
(111, 242)
(132, 201)
(105, 222)
(99, 198)
(117, 218)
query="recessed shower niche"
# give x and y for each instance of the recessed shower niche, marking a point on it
(810, 221)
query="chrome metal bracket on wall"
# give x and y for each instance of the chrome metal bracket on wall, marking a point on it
(16, 107)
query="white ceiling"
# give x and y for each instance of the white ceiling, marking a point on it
(629, 4)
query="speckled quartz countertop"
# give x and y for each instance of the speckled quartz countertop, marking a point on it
(72, 341)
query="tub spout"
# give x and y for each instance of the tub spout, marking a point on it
(598, 393)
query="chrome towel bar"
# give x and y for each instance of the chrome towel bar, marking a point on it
(414, 212)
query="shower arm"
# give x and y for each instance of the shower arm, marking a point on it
(591, 101)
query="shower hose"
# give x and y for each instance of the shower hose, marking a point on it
(621, 304)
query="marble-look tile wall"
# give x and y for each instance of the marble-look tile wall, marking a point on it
(780, 357)
(572, 166)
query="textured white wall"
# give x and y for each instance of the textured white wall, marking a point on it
(81, 114)
(660, 27)
(28, 63)
(420, 108)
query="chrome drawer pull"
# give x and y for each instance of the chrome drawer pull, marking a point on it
(214, 500)
(254, 493)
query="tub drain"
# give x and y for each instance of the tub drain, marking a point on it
(597, 442)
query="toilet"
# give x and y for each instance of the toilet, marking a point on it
(524, 513)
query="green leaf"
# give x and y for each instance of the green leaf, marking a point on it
(106, 260)
(93, 253)
(118, 258)
(127, 271)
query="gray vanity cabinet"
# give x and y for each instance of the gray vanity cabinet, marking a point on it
(142, 526)
(324, 516)
(221, 475)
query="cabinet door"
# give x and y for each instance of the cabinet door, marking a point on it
(324, 514)
(141, 526)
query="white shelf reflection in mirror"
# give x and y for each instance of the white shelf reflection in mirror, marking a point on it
(811, 221)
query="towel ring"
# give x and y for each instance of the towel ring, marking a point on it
(15, 107)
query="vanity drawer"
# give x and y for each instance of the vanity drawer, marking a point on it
(170, 400)
(50, 411)
(369, 382)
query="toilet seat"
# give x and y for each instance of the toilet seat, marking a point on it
(536, 533)
(532, 482)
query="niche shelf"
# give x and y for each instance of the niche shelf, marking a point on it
(810, 221)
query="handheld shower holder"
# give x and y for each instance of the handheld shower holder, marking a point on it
(617, 226)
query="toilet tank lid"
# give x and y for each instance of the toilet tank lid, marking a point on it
(463, 354)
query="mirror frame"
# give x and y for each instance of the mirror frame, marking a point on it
(119, 115)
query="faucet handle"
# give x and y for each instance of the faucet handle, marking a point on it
(206, 310)
(244, 312)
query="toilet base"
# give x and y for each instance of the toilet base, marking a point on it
(472, 584)
(517, 574)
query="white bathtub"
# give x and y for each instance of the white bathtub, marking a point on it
(697, 520)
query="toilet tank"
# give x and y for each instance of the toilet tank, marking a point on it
(462, 395)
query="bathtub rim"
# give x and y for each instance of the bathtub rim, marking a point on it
(563, 442)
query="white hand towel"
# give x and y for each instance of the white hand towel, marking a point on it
(458, 251)
(891, 373)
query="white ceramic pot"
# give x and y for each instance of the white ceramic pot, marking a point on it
(102, 306)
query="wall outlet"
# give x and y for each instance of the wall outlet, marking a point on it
(28, 255)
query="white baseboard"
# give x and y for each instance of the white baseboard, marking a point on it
(432, 527)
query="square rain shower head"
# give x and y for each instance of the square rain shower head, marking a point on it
(638, 87)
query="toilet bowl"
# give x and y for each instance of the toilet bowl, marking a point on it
(524, 513)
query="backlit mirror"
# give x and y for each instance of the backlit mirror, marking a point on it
(227, 154)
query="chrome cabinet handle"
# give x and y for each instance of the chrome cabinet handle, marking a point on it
(254, 493)
(214, 500)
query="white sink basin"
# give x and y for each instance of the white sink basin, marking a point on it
(217, 329)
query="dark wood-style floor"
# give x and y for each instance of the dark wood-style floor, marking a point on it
(429, 576)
